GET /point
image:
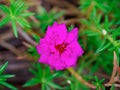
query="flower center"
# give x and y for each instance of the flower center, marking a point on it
(61, 47)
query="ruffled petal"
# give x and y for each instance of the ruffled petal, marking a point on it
(76, 48)
(49, 32)
(43, 59)
(52, 59)
(45, 46)
(55, 24)
(55, 62)
(72, 35)
(57, 33)
(42, 48)
(59, 65)
(68, 58)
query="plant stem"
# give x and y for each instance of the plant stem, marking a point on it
(10, 47)
(78, 77)
(26, 37)
(43, 86)
(114, 69)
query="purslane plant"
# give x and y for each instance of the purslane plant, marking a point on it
(43, 76)
(16, 13)
(100, 33)
(4, 77)
(47, 18)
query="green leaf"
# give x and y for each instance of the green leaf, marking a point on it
(19, 8)
(2, 79)
(31, 82)
(53, 85)
(85, 5)
(18, 3)
(85, 22)
(102, 7)
(33, 72)
(5, 9)
(113, 87)
(106, 23)
(103, 46)
(12, 9)
(70, 28)
(90, 33)
(6, 76)
(3, 67)
(40, 71)
(99, 17)
(27, 14)
(43, 86)
(54, 75)
(23, 22)
(42, 11)
(12, 1)
(57, 15)
(4, 21)
(14, 28)
(8, 85)
(36, 37)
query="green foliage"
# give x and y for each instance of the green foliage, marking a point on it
(104, 31)
(101, 34)
(36, 38)
(32, 50)
(4, 77)
(43, 76)
(98, 83)
(16, 13)
(112, 88)
(47, 18)
(76, 85)
(70, 28)
(103, 5)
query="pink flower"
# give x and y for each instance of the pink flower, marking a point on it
(59, 48)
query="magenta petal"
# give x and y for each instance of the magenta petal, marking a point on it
(49, 32)
(60, 33)
(53, 33)
(42, 40)
(71, 61)
(55, 62)
(42, 48)
(55, 24)
(76, 48)
(43, 59)
(68, 58)
(72, 35)
(57, 33)
(59, 65)
(53, 58)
